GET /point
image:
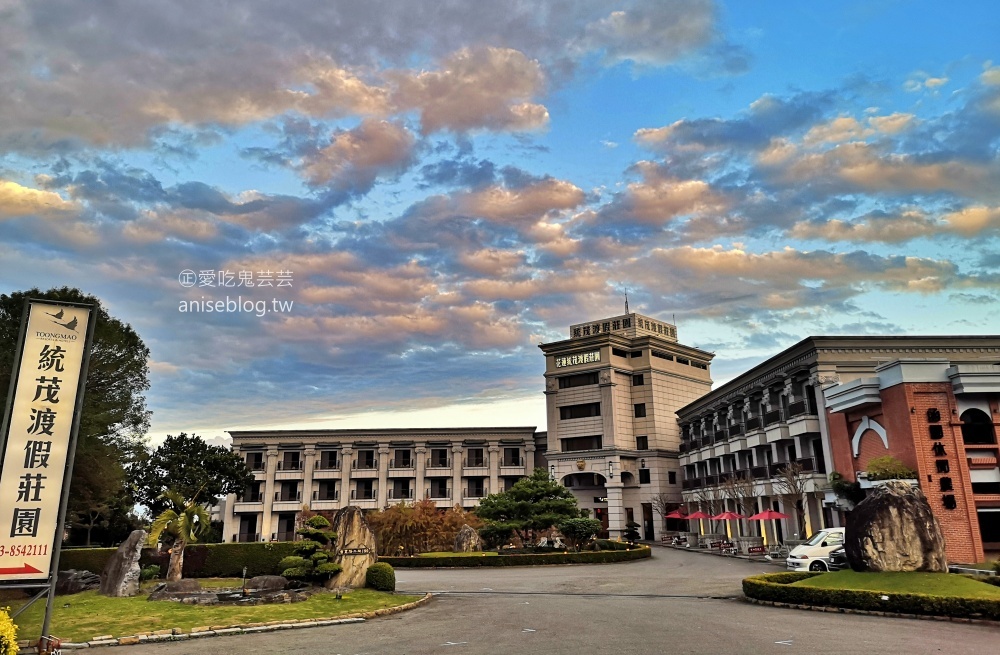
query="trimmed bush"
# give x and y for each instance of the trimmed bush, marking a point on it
(586, 557)
(200, 560)
(609, 544)
(888, 467)
(150, 572)
(381, 577)
(8, 633)
(775, 587)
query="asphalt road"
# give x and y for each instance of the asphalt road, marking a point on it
(676, 602)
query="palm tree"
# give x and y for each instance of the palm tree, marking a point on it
(185, 522)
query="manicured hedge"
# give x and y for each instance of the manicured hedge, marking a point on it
(200, 560)
(380, 577)
(776, 587)
(585, 557)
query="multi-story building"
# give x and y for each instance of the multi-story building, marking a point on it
(612, 391)
(783, 415)
(370, 469)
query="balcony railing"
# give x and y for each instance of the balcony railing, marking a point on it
(439, 494)
(327, 466)
(255, 465)
(477, 463)
(364, 494)
(246, 537)
(401, 494)
(512, 462)
(711, 480)
(772, 417)
(753, 423)
(287, 498)
(735, 430)
(287, 535)
(697, 483)
(327, 496)
(721, 435)
(686, 484)
(475, 493)
(439, 464)
(401, 464)
(798, 408)
(364, 465)
(978, 434)
(807, 464)
(759, 472)
(686, 446)
(252, 498)
(290, 465)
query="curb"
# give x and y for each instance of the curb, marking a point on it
(894, 615)
(176, 634)
(745, 558)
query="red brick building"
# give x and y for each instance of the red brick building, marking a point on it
(940, 419)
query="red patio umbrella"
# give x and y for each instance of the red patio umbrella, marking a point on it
(698, 515)
(676, 514)
(769, 515)
(728, 516)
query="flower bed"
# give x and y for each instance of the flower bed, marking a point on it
(585, 557)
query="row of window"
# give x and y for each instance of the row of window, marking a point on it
(401, 458)
(290, 491)
(589, 410)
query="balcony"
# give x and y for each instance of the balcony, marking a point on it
(711, 480)
(685, 447)
(246, 537)
(687, 484)
(327, 496)
(289, 470)
(364, 465)
(482, 463)
(364, 494)
(402, 464)
(326, 466)
(287, 498)
(735, 430)
(753, 423)
(772, 417)
(720, 436)
(440, 494)
(759, 472)
(401, 494)
(475, 492)
(433, 464)
(249, 505)
(808, 465)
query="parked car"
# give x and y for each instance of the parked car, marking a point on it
(814, 554)
(838, 560)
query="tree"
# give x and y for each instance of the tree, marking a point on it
(533, 504)
(742, 489)
(190, 466)
(114, 418)
(631, 533)
(579, 531)
(185, 521)
(312, 558)
(791, 484)
(888, 467)
(411, 528)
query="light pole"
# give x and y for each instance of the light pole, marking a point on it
(552, 472)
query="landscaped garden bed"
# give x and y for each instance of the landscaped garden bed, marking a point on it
(493, 558)
(931, 594)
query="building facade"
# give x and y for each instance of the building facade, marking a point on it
(612, 391)
(770, 438)
(370, 469)
(939, 418)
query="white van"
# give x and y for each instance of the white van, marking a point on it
(813, 554)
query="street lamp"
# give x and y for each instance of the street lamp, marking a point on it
(611, 470)
(552, 472)
(642, 463)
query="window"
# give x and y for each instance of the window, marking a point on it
(681, 360)
(638, 380)
(327, 490)
(642, 443)
(579, 411)
(618, 352)
(636, 353)
(512, 457)
(672, 477)
(366, 460)
(643, 476)
(328, 460)
(255, 461)
(476, 458)
(661, 355)
(252, 493)
(403, 458)
(581, 443)
(289, 491)
(439, 458)
(580, 380)
(640, 410)
(290, 461)
(439, 488)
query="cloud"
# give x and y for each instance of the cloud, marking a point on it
(652, 35)
(17, 201)
(875, 227)
(484, 88)
(355, 158)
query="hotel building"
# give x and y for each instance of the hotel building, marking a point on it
(370, 469)
(612, 390)
(833, 403)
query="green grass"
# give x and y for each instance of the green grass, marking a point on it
(485, 553)
(982, 566)
(83, 616)
(935, 584)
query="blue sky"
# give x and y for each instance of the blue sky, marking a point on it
(451, 183)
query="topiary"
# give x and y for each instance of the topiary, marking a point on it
(888, 467)
(150, 572)
(381, 577)
(8, 633)
(312, 559)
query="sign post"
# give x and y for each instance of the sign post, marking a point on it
(39, 436)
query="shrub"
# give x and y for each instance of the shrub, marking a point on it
(312, 560)
(200, 560)
(889, 468)
(579, 531)
(775, 587)
(150, 572)
(8, 633)
(381, 577)
(850, 491)
(585, 557)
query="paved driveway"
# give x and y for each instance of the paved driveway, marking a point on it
(676, 602)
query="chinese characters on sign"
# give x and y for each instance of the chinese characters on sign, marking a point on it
(941, 464)
(582, 358)
(627, 322)
(227, 279)
(38, 436)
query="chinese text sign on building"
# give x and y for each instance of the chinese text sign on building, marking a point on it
(38, 437)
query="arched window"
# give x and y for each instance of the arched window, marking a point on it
(977, 427)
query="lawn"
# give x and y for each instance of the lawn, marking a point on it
(83, 616)
(485, 553)
(936, 584)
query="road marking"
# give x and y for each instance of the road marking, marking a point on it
(527, 630)
(784, 643)
(454, 643)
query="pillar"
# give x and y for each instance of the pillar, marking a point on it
(346, 464)
(494, 455)
(270, 467)
(383, 475)
(419, 493)
(457, 465)
(616, 509)
(307, 476)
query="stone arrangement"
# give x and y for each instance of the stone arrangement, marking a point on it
(893, 529)
(120, 577)
(73, 582)
(355, 548)
(468, 540)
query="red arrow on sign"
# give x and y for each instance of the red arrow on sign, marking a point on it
(27, 568)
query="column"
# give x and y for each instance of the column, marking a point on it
(383, 475)
(230, 525)
(616, 508)
(419, 493)
(529, 458)
(346, 463)
(457, 464)
(270, 466)
(494, 455)
(608, 410)
(307, 476)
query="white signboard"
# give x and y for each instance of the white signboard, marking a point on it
(38, 438)
(582, 358)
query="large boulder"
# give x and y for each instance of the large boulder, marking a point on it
(184, 585)
(467, 540)
(893, 529)
(120, 576)
(73, 582)
(355, 548)
(268, 583)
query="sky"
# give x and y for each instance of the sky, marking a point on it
(394, 203)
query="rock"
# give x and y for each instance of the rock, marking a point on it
(893, 529)
(184, 585)
(467, 540)
(268, 583)
(355, 548)
(73, 582)
(120, 576)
